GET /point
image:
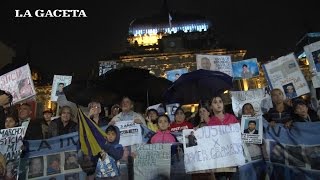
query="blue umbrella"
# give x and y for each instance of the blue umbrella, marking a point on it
(198, 85)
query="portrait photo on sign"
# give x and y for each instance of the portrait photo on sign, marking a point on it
(192, 140)
(313, 156)
(53, 164)
(294, 155)
(36, 167)
(71, 160)
(277, 152)
(25, 88)
(173, 75)
(289, 90)
(316, 59)
(74, 176)
(245, 69)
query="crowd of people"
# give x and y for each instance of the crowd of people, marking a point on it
(211, 112)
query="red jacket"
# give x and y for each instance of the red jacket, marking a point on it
(163, 137)
(175, 127)
(228, 119)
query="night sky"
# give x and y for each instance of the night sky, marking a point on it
(73, 45)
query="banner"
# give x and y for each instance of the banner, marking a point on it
(285, 74)
(59, 82)
(245, 69)
(10, 150)
(175, 74)
(251, 129)
(293, 153)
(258, 98)
(215, 63)
(313, 56)
(130, 133)
(152, 161)
(19, 83)
(212, 147)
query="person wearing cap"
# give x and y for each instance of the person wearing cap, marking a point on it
(47, 115)
(303, 113)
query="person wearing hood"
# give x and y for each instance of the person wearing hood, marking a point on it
(112, 150)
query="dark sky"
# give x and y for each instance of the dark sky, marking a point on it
(66, 45)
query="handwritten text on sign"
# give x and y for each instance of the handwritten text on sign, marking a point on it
(217, 147)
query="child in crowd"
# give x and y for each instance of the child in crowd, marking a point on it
(219, 117)
(281, 112)
(163, 135)
(180, 123)
(247, 109)
(113, 151)
(151, 119)
(11, 121)
(303, 113)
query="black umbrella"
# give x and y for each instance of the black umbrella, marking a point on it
(197, 85)
(83, 92)
(138, 84)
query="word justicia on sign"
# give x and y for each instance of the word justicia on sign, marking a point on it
(59, 13)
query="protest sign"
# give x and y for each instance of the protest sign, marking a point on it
(313, 56)
(105, 66)
(175, 74)
(258, 98)
(215, 63)
(152, 161)
(130, 133)
(285, 74)
(171, 109)
(251, 129)
(245, 69)
(10, 149)
(59, 82)
(19, 83)
(159, 107)
(215, 147)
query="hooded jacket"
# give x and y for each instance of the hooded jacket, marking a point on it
(114, 149)
(163, 137)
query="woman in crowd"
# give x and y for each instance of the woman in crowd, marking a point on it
(180, 123)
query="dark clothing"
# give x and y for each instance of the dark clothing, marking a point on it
(192, 140)
(45, 129)
(33, 131)
(56, 128)
(280, 117)
(246, 131)
(114, 149)
(2, 118)
(313, 117)
(102, 121)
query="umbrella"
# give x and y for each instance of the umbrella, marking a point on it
(137, 83)
(83, 92)
(197, 85)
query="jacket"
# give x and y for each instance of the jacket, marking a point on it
(163, 137)
(114, 149)
(228, 119)
(56, 128)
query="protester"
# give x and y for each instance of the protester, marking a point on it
(4, 100)
(112, 150)
(180, 123)
(95, 114)
(115, 110)
(33, 131)
(152, 116)
(219, 117)
(163, 135)
(127, 113)
(64, 124)
(281, 112)
(45, 123)
(204, 116)
(11, 121)
(303, 113)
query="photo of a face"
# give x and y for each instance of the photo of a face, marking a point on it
(71, 160)
(53, 164)
(25, 88)
(35, 167)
